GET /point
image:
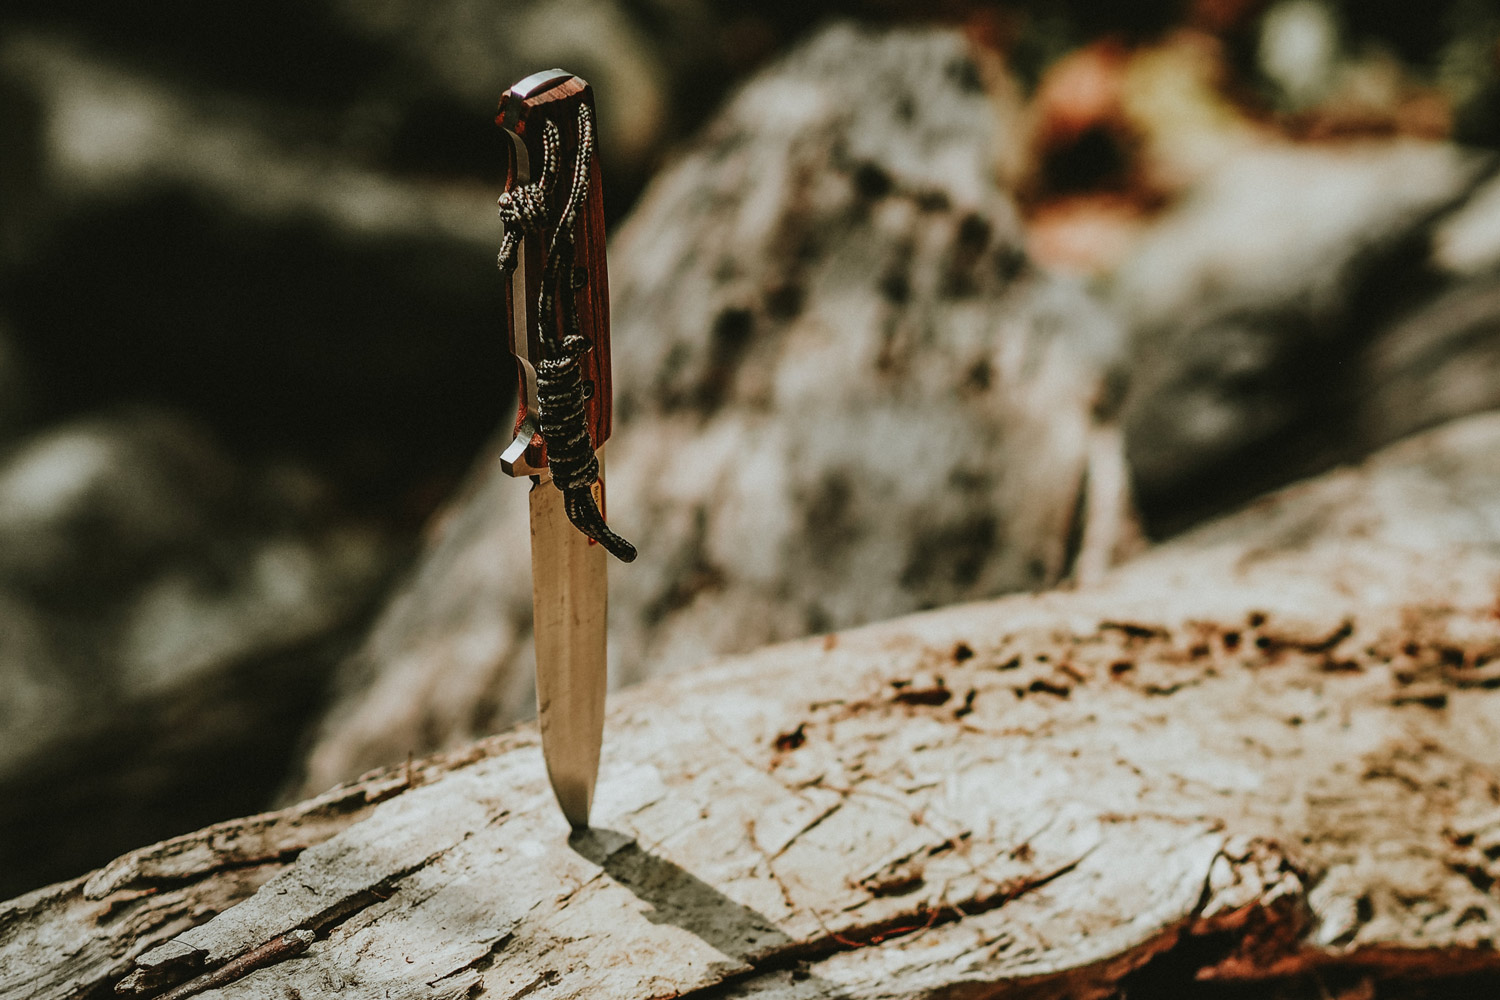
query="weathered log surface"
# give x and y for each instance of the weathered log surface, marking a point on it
(1279, 736)
(842, 392)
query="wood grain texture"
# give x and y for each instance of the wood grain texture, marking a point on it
(1277, 739)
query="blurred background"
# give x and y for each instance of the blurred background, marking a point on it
(250, 333)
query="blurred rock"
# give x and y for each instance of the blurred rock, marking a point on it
(167, 622)
(842, 393)
(408, 88)
(1438, 362)
(1249, 305)
(467, 52)
(1441, 358)
(1466, 243)
(104, 500)
(178, 250)
(14, 395)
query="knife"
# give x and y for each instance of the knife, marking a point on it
(557, 319)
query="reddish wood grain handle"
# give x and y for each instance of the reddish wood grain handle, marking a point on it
(555, 96)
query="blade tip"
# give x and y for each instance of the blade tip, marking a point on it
(575, 808)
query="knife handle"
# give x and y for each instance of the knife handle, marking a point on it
(554, 96)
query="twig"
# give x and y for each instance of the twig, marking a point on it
(284, 946)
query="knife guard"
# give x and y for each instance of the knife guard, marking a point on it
(524, 109)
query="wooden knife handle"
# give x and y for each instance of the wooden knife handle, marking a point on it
(556, 96)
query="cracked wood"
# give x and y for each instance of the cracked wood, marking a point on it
(1218, 742)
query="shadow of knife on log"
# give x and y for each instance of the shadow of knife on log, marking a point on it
(680, 898)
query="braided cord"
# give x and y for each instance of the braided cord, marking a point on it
(523, 208)
(561, 388)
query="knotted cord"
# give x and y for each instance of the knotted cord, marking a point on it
(523, 208)
(560, 386)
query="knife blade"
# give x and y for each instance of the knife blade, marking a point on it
(557, 318)
(569, 601)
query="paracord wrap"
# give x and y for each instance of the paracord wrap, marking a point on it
(560, 386)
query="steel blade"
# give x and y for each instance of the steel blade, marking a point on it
(569, 600)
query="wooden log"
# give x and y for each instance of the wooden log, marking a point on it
(1271, 746)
